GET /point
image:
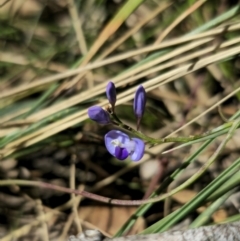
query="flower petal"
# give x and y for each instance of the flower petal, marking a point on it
(139, 149)
(114, 135)
(121, 153)
(98, 114)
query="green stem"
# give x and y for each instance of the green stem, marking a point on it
(182, 139)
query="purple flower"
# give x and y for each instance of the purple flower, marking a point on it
(99, 115)
(139, 102)
(111, 93)
(121, 145)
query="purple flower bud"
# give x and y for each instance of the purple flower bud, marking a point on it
(111, 93)
(121, 145)
(99, 115)
(139, 102)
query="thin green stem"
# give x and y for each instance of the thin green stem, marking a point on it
(182, 139)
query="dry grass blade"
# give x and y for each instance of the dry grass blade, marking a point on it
(77, 26)
(191, 9)
(72, 120)
(69, 73)
(76, 21)
(133, 30)
(106, 33)
(120, 80)
(126, 78)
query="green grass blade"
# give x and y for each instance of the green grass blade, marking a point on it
(171, 219)
(204, 217)
(142, 209)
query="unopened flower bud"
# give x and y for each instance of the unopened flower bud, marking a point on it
(99, 115)
(139, 103)
(111, 93)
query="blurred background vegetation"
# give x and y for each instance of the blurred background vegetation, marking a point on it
(56, 57)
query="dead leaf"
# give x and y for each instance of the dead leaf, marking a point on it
(110, 219)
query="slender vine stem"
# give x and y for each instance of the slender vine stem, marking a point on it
(82, 193)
